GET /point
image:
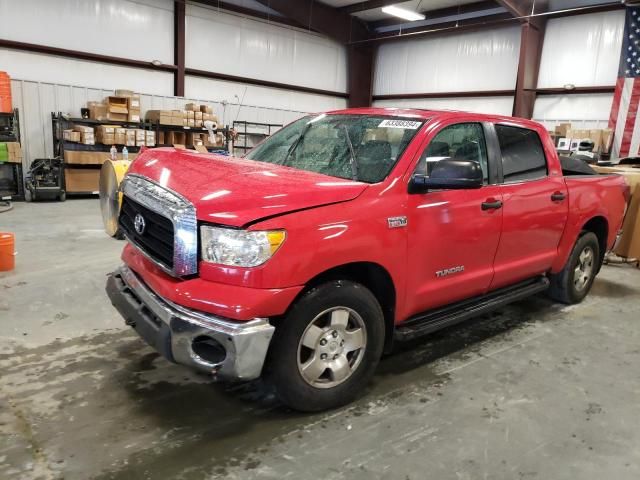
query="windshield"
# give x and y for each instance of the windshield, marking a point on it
(358, 147)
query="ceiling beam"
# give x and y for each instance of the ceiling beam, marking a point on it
(322, 18)
(368, 5)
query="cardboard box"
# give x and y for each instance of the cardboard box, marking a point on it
(191, 114)
(629, 244)
(150, 138)
(198, 124)
(105, 134)
(134, 117)
(82, 180)
(194, 139)
(117, 105)
(120, 136)
(175, 138)
(71, 136)
(130, 137)
(87, 138)
(564, 144)
(133, 102)
(198, 115)
(606, 140)
(561, 130)
(97, 111)
(116, 117)
(194, 107)
(191, 122)
(80, 157)
(206, 109)
(83, 129)
(160, 139)
(10, 152)
(201, 148)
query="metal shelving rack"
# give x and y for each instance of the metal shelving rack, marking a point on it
(10, 132)
(60, 122)
(177, 128)
(249, 134)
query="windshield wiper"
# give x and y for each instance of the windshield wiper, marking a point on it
(353, 161)
(294, 145)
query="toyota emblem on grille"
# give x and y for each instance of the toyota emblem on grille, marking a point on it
(139, 224)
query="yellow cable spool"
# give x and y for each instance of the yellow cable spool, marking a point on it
(111, 175)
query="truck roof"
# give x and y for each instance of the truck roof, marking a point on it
(427, 114)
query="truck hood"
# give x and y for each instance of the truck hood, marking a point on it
(235, 191)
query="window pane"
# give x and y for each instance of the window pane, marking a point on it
(522, 154)
(463, 141)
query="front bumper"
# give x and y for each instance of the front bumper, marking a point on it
(172, 329)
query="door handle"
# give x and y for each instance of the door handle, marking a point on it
(558, 196)
(492, 205)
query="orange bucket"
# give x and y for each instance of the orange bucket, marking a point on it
(5, 92)
(7, 253)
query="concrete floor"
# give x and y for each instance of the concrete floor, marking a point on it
(535, 391)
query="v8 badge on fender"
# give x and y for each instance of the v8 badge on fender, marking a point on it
(397, 222)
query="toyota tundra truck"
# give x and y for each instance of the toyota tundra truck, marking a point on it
(344, 232)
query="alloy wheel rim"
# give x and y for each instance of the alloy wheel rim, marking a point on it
(584, 269)
(332, 347)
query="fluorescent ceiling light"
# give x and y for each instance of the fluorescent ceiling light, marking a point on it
(403, 13)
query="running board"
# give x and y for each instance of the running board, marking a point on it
(457, 312)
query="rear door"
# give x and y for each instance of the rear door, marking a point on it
(453, 237)
(535, 207)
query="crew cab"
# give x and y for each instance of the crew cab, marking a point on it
(346, 231)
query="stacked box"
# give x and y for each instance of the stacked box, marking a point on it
(206, 109)
(10, 152)
(194, 107)
(166, 117)
(140, 137)
(87, 135)
(175, 138)
(150, 138)
(133, 105)
(97, 111)
(106, 134)
(120, 135)
(130, 137)
(71, 136)
(117, 108)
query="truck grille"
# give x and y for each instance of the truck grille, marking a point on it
(156, 240)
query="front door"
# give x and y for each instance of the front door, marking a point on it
(453, 237)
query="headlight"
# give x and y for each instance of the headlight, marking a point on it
(239, 248)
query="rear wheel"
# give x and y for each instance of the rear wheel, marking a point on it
(573, 283)
(326, 349)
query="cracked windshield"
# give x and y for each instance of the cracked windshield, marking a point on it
(356, 147)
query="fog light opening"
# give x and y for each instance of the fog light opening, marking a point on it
(208, 349)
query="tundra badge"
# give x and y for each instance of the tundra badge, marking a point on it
(397, 222)
(449, 271)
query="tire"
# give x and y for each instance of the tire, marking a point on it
(573, 283)
(292, 366)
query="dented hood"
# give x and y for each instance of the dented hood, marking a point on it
(234, 191)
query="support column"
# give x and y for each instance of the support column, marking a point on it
(178, 47)
(531, 40)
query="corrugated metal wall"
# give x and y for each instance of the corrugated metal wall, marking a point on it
(36, 101)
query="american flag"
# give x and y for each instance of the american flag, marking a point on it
(623, 119)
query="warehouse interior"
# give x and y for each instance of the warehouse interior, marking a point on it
(531, 389)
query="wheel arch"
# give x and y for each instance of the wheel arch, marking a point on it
(374, 277)
(599, 226)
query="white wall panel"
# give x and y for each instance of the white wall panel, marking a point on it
(273, 99)
(48, 68)
(236, 45)
(495, 105)
(583, 50)
(486, 60)
(141, 30)
(582, 110)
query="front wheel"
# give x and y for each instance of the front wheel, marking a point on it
(326, 349)
(573, 283)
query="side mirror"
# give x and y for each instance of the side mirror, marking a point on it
(449, 174)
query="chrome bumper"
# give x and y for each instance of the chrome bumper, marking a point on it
(172, 329)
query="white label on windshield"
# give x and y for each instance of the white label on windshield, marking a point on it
(408, 124)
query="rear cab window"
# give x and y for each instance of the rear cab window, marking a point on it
(522, 154)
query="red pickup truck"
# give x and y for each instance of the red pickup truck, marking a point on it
(343, 232)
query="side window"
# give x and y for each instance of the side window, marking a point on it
(463, 141)
(522, 154)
